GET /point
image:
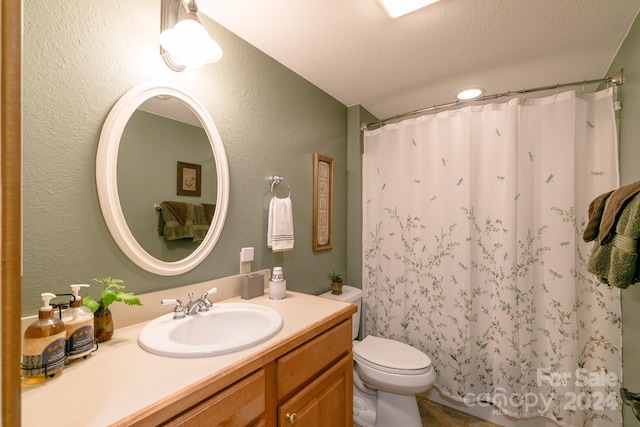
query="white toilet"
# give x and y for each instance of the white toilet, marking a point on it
(387, 375)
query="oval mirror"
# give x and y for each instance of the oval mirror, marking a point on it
(213, 168)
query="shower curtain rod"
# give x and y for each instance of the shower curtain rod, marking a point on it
(617, 79)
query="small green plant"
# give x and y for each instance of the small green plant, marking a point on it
(336, 282)
(335, 277)
(112, 290)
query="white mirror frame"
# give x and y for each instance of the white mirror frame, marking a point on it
(107, 183)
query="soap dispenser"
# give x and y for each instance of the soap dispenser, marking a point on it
(78, 322)
(43, 346)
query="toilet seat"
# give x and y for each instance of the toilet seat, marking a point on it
(391, 356)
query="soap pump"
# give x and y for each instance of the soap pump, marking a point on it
(43, 346)
(78, 322)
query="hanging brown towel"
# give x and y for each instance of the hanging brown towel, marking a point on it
(179, 220)
(179, 210)
(605, 219)
(209, 210)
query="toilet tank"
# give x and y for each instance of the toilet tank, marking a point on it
(352, 295)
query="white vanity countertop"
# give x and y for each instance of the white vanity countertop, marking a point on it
(120, 378)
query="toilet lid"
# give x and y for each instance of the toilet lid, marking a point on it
(391, 356)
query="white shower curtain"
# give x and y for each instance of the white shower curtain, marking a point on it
(473, 253)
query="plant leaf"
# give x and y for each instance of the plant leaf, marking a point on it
(128, 298)
(109, 282)
(90, 303)
(108, 297)
(112, 290)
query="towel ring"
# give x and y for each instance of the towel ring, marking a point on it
(275, 180)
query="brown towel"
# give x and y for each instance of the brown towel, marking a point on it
(596, 208)
(611, 214)
(179, 209)
(179, 220)
(616, 262)
(171, 228)
(209, 210)
(602, 221)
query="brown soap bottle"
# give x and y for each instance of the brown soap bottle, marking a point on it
(43, 345)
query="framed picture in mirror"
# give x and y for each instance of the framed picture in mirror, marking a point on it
(189, 179)
(322, 202)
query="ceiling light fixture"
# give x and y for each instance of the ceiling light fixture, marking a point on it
(396, 8)
(471, 93)
(184, 42)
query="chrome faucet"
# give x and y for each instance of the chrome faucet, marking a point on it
(178, 312)
(200, 305)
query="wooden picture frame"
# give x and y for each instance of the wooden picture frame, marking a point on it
(189, 179)
(322, 202)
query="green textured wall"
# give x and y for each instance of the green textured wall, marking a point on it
(629, 97)
(79, 60)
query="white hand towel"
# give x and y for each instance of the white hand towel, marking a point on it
(280, 225)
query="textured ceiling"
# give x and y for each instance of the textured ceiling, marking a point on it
(352, 50)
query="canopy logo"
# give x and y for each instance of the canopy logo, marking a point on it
(571, 400)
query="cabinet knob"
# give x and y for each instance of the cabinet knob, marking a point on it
(291, 417)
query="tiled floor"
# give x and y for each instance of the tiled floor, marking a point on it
(434, 414)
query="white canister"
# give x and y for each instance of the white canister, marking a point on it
(277, 284)
(277, 289)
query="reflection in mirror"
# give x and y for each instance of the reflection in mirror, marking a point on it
(148, 164)
(161, 132)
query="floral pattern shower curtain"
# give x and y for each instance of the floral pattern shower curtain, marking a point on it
(473, 253)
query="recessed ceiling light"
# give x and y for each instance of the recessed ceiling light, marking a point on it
(397, 8)
(470, 93)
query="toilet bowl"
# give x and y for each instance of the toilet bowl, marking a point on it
(387, 374)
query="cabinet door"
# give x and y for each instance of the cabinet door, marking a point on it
(312, 358)
(239, 405)
(326, 401)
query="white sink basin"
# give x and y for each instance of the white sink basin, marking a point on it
(225, 328)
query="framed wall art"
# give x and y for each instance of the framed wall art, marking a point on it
(189, 179)
(322, 202)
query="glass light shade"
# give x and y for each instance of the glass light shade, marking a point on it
(189, 43)
(396, 8)
(471, 93)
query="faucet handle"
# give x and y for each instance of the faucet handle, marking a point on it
(179, 311)
(210, 291)
(207, 303)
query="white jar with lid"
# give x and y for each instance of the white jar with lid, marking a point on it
(277, 284)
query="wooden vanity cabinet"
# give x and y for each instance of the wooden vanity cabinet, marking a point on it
(315, 381)
(301, 383)
(326, 401)
(241, 404)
